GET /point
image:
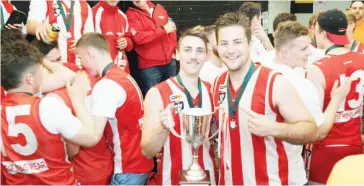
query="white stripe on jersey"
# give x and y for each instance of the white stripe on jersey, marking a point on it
(98, 19)
(118, 167)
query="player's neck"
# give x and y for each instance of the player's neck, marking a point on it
(22, 89)
(360, 21)
(337, 51)
(190, 81)
(216, 61)
(103, 61)
(282, 61)
(237, 77)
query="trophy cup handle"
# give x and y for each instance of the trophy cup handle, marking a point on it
(171, 127)
(219, 128)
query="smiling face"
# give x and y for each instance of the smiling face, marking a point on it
(233, 47)
(192, 54)
(297, 51)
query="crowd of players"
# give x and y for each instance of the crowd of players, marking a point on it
(62, 124)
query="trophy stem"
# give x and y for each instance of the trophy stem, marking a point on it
(195, 172)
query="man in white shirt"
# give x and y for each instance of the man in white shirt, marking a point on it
(260, 42)
(315, 55)
(213, 67)
(292, 50)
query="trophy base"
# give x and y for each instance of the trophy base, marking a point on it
(204, 181)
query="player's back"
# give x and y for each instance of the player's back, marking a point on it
(124, 131)
(30, 153)
(346, 130)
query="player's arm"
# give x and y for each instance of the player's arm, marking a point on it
(57, 78)
(74, 129)
(36, 17)
(299, 127)
(107, 97)
(154, 133)
(315, 75)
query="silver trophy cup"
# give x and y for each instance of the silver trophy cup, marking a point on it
(195, 127)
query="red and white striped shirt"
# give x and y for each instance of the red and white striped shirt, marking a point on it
(246, 158)
(49, 12)
(177, 154)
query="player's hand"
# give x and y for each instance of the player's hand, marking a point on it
(73, 46)
(121, 43)
(258, 31)
(170, 27)
(259, 124)
(14, 26)
(42, 32)
(165, 116)
(340, 92)
(78, 88)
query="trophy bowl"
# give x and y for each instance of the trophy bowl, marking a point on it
(195, 130)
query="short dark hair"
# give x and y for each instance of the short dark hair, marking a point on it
(233, 19)
(283, 17)
(44, 47)
(352, 2)
(16, 58)
(250, 9)
(197, 31)
(10, 35)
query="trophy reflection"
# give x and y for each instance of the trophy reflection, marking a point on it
(195, 129)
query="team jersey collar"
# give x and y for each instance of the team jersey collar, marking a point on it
(106, 69)
(26, 93)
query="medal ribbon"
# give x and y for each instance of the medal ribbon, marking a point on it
(332, 48)
(353, 46)
(188, 95)
(66, 21)
(232, 108)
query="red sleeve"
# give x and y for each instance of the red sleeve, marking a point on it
(143, 35)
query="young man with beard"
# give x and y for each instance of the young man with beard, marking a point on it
(186, 90)
(292, 50)
(357, 8)
(116, 99)
(343, 138)
(353, 45)
(265, 113)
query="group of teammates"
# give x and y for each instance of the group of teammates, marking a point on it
(267, 115)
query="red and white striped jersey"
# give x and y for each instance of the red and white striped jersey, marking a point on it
(7, 8)
(118, 98)
(177, 154)
(247, 159)
(46, 11)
